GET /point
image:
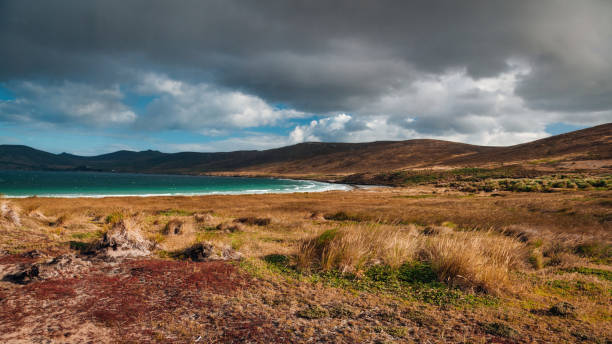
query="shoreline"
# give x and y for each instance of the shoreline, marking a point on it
(329, 185)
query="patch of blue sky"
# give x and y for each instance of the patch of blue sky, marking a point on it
(6, 94)
(183, 136)
(562, 128)
(138, 102)
(72, 140)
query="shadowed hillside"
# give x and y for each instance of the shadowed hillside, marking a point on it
(330, 158)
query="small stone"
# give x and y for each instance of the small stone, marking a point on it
(231, 227)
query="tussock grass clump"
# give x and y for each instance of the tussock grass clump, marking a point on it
(352, 248)
(475, 260)
(479, 261)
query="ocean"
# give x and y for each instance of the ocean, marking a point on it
(102, 184)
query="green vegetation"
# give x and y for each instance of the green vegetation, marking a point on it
(114, 218)
(174, 212)
(597, 251)
(87, 235)
(411, 281)
(578, 287)
(511, 178)
(605, 274)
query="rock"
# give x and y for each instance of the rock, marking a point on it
(122, 241)
(231, 227)
(203, 218)
(67, 265)
(173, 227)
(205, 251)
(563, 309)
(258, 221)
(10, 213)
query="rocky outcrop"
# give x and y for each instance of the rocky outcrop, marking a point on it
(231, 227)
(66, 265)
(10, 214)
(122, 241)
(205, 251)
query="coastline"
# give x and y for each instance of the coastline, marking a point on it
(301, 186)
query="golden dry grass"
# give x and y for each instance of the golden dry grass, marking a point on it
(472, 260)
(476, 242)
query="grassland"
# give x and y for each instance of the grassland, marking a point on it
(418, 263)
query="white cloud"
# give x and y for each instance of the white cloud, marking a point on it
(249, 141)
(205, 108)
(451, 106)
(69, 102)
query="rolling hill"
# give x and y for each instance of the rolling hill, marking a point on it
(325, 158)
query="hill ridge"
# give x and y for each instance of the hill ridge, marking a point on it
(323, 157)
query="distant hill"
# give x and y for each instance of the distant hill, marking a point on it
(329, 158)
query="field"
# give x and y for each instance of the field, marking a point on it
(422, 263)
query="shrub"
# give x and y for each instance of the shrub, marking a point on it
(277, 260)
(597, 182)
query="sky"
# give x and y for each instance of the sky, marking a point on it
(92, 77)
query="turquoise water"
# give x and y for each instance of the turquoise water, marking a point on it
(99, 184)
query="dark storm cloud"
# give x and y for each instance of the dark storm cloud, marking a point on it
(320, 56)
